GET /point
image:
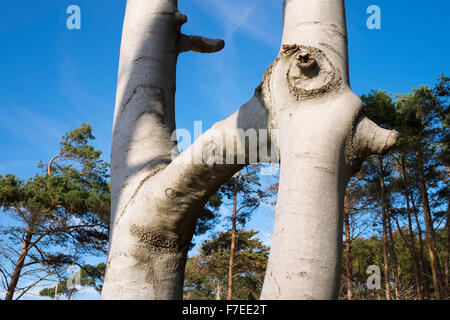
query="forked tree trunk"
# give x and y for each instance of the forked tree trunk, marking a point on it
(158, 195)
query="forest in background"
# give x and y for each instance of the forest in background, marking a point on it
(396, 216)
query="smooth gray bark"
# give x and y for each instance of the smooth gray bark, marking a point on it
(323, 139)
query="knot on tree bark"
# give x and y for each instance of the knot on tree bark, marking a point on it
(299, 73)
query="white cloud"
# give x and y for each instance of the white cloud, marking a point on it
(251, 17)
(36, 130)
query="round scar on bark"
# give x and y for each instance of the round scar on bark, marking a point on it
(310, 73)
(305, 61)
(170, 193)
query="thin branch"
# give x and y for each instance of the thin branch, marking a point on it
(4, 274)
(32, 285)
(200, 44)
(49, 167)
(246, 206)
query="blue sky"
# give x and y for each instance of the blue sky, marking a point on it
(52, 79)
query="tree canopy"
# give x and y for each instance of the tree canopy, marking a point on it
(58, 215)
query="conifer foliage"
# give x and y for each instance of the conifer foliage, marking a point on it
(56, 216)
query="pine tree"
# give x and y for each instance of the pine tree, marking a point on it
(420, 112)
(207, 273)
(60, 214)
(89, 276)
(244, 190)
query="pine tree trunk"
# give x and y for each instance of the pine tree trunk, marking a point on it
(421, 249)
(412, 246)
(233, 244)
(431, 237)
(412, 238)
(447, 250)
(69, 295)
(218, 293)
(348, 251)
(56, 287)
(393, 254)
(18, 267)
(385, 234)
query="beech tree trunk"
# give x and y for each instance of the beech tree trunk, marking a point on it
(323, 139)
(158, 194)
